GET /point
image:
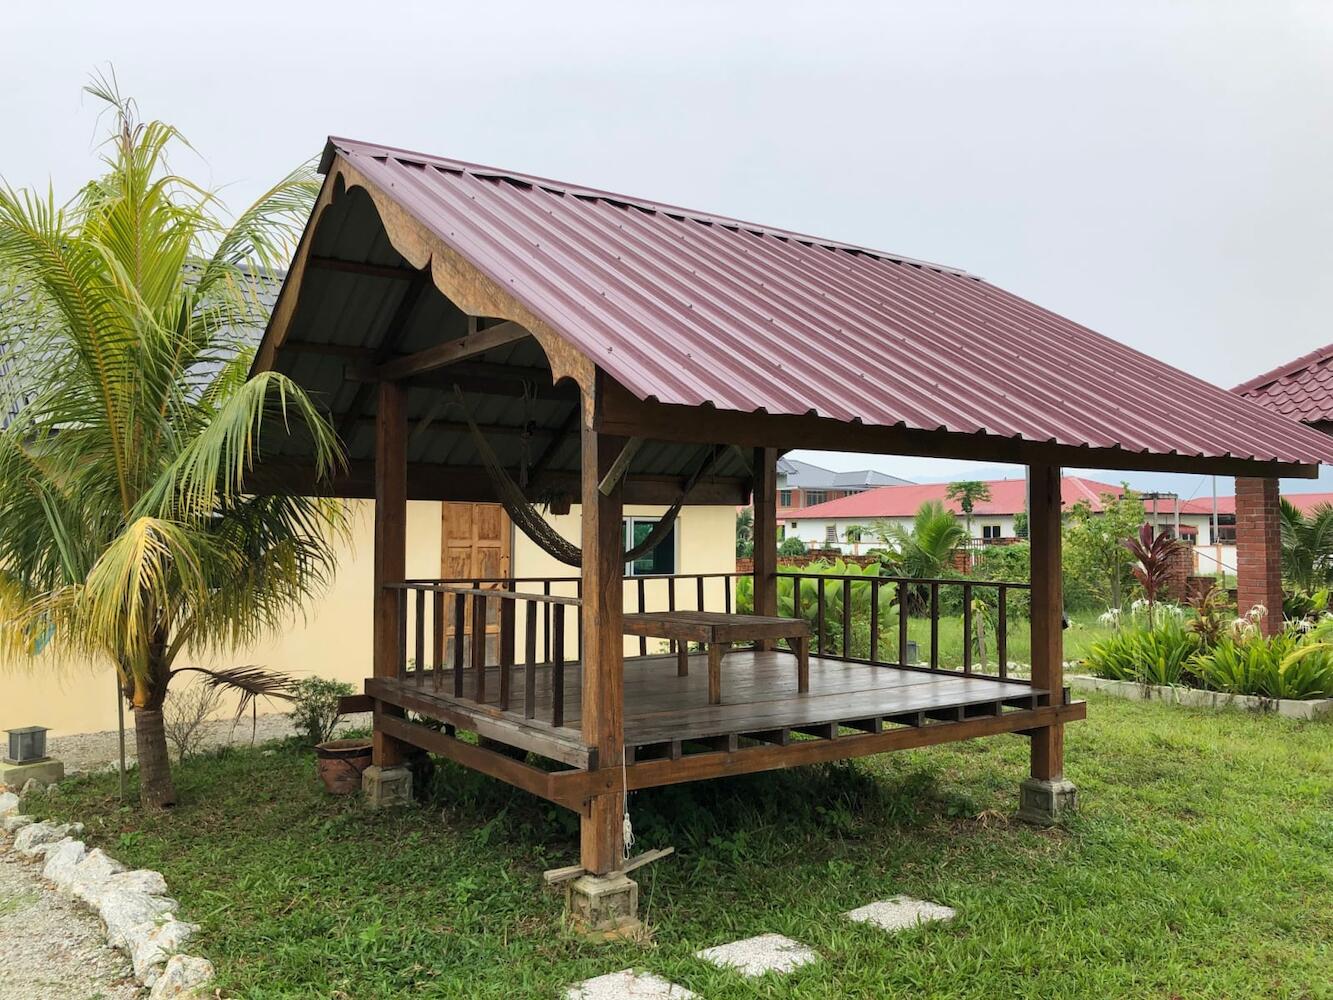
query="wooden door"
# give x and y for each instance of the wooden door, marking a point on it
(475, 541)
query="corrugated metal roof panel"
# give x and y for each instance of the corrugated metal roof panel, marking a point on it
(690, 308)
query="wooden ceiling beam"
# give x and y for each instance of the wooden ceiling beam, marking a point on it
(448, 353)
(426, 481)
(625, 415)
(395, 272)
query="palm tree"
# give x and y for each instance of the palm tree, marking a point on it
(967, 494)
(853, 533)
(126, 531)
(926, 550)
(745, 531)
(1307, 546)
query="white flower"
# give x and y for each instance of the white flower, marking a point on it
(1110, 617)
(1257, 612)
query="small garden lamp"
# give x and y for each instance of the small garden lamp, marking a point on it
(26, 745)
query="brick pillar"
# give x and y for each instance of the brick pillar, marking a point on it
(1181, 566)
(1259, 550)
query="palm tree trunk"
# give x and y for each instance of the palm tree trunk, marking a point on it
(156, 789)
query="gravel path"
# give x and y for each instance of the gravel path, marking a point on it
(99, 751)
(52, 947)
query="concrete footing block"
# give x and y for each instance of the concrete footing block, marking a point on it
(1044, 803)
(44, 772)
(604, 906)
(385, 787)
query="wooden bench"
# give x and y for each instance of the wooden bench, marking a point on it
(716, 632)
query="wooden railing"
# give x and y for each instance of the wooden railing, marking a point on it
(833, 632)
(453, 615)
(438, 621)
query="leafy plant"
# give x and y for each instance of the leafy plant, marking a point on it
(791, 546)
(1152, 552)
(926, 549)
(315, 711)
(1211, 616)
(1149, 656)
(1280, 666)
(853, 534)
(128, 528)
(1096, 565)
(1307, 546)
(184, 714)
(859, 594)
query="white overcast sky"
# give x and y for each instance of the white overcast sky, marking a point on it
(1160, 171)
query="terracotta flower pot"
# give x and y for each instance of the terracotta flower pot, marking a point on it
(340, 763)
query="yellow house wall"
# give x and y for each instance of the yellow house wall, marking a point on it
(333, 638)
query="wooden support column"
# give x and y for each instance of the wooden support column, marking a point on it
(390, 548)
(765, 535)
(1048, 743)
(601, 835)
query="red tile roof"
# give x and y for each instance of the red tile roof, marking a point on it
(1008, 496)
(1301, 389)
(693, 308)
(1304, 502)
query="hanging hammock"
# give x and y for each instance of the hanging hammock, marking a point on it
(530, 521)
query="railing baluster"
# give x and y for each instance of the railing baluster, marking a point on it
(437, 638)
(846, 617)
(934, 626)
(506, 651)
(874, 620)
(530, 664)
(546, 623)
(558, 669)
(643, 640)
(420, 636)
(478, 648)
(819, 613)
(903, 617)
(402, 634)
(967, 628)
(726, 591)
(671, 606)
(460, 626)
(1002, 628)
(578, 624)
(699, 593)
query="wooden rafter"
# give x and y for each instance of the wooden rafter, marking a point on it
(448, 353)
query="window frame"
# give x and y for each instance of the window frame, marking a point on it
(627, 523)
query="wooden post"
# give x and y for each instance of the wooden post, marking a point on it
(765, 534)
(390, 547)
(602, 838)
(1048, 743)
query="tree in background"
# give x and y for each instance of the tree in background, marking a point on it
(926, 549)
(1307, 546)
(853, 533)
(967, 494)
(745, 532)
(127, 528)
(1097, 566)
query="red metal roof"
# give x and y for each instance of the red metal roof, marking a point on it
(691, 308)
(1301, 389)
(1303, 502)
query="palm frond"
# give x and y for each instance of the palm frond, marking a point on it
(251, 682)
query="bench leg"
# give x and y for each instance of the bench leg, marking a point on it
(716, 650)
(682, 658)
(803, 664)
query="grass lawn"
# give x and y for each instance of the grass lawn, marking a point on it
(1200, 866)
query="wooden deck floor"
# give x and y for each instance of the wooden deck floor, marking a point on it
(760, 700)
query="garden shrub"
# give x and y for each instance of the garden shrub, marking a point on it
(1283, 666)
(1148, 656)
(315, 707)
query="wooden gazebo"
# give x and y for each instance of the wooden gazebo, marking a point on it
(482, 335)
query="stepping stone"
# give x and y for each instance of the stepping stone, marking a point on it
(758, 955)
(900, 913)
(628, 985)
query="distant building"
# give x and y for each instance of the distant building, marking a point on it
(801, 484)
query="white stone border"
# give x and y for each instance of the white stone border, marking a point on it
(138, 916)
(1198, 698)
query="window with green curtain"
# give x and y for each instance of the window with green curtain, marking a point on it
(662, 559)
